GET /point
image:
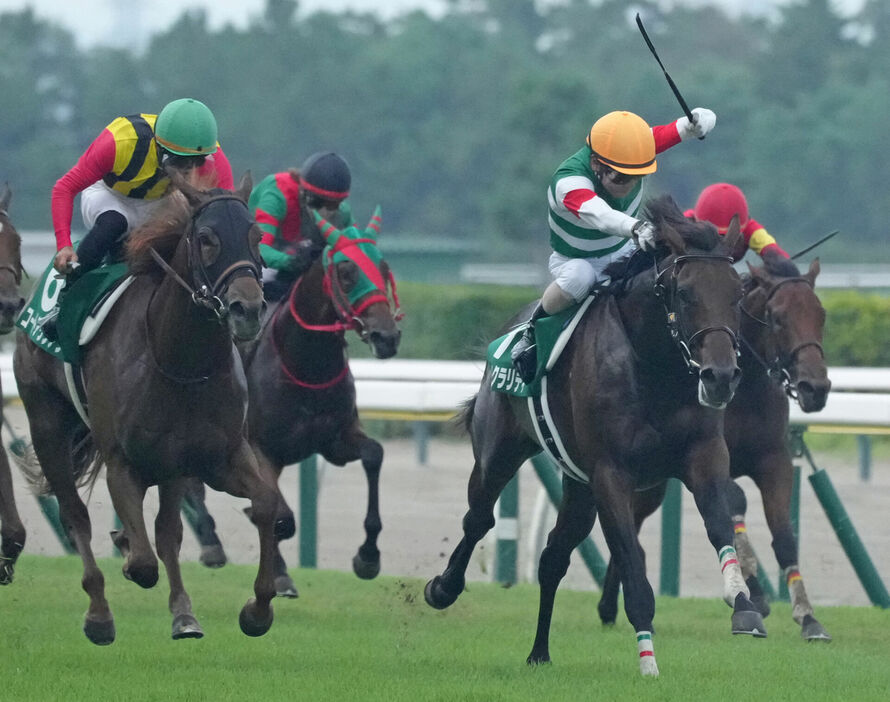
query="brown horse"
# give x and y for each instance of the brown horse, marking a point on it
(302, 394)
(12, 531)
(782, 357)
(635, 401)
(167, 398)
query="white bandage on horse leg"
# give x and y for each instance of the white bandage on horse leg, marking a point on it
(733, 581)
(648, 666)
(800, 603)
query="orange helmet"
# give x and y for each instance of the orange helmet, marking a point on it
(624, 142)
(718, 203)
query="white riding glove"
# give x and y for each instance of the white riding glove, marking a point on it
(704, 123)
(644, 235)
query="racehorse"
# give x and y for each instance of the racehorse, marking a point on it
(166, 395)
(634, 400)
(302, 394)
(782, 357)
(12, 531)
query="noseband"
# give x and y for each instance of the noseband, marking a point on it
(667, 294)
(777, 369)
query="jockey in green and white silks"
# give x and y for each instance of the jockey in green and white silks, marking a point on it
(594, 198)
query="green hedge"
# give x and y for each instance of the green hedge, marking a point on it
(456, 322)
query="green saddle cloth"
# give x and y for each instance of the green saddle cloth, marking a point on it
(504, 377)
(78, 303)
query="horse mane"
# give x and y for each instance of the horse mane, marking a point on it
(161, 232)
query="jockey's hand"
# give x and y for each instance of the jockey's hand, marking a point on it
(703, 122)
(64, 259)
(644, 235)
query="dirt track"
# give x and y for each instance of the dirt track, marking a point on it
(422, 507)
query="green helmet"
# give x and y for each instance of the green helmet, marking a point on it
(186, 127)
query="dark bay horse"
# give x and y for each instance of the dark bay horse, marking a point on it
(636, 398)
(782, 358)
(302, 394)
(12, 531)
(167, 396)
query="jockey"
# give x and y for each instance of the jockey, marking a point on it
(717, 204)
(121, 179)
(282, 204)
(594, 198)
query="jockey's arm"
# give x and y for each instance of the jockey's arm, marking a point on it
(95, 162)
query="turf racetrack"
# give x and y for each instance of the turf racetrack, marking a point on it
(347, 639)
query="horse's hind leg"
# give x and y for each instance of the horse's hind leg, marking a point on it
(12, 531)
(774, 479)
(577, 514)
(168, 537)
(195, 509)
(127, 496)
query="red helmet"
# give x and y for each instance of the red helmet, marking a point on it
(718, 203)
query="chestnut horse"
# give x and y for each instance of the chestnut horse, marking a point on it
(12, 531)
(635, 401)
(167, 397)
(302, 394)
(782, 357)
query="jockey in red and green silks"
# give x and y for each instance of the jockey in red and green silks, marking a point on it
(718, 203)
(283, 203)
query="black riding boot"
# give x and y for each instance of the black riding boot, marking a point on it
(525, 353)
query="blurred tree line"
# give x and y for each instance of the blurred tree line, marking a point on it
(455, 124)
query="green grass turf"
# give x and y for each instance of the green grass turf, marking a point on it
(347, 639)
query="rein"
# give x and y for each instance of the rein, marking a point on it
(666, 295)
(776, 369)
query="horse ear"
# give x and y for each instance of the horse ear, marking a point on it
(732, 233)
(245, 186)
(194, 196)
(376, 221)
(5, 197)
(329, 232)
(811, 274)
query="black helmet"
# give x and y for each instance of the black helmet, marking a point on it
(326, 175)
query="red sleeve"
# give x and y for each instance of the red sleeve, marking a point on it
(219, 165)
(666, 136)
(95, 162)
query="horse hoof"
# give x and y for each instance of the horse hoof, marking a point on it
(185, 626)
(213, 556)
(437, 596)
(812, 630)
(250, 623)
(284, 587)
(366, 570)
(100, 633)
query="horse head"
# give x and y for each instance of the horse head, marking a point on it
(786, 320)
(11, 300)
(700, 291)
(223, 252)
(361, 285)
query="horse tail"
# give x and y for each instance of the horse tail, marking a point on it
(465, 416)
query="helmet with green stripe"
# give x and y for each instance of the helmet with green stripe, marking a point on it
(186, 127)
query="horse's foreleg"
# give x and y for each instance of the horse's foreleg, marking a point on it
(12, 531)
(707, 476)
(774, 479)
(577, 514)
(127, 495)
(168, 537)
(614, 496)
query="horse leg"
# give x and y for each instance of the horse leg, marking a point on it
(644, 504)
(709, 487)
(577, 514)
(244, 477)
(193, 504)
(12, 531)
(54, 424)
(738, 506)
(127, 495)
(489, 477)
(774, 479)
(614, 499)
(168, 538)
